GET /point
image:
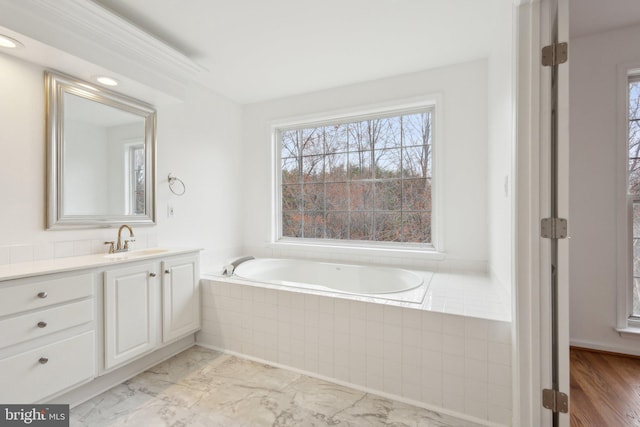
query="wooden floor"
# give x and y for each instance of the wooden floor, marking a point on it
(605, 389)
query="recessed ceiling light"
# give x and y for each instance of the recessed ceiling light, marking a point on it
(107, 81)
(8, 42)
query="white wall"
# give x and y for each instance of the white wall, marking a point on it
(463, 138)
(500, 146)
(198, 140)
(593, 126)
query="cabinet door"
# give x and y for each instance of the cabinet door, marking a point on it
(180, 297)
(130, 297)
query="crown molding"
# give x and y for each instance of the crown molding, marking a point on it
(93, 33)
(91, 20)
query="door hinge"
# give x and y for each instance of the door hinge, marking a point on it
(553, 228)
(555, 54)
(555, 400)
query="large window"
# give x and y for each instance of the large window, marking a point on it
(365, 180)
(634, 185)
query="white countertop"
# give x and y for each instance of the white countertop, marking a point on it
(37, 268)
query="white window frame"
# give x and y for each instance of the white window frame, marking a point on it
(626, 324)
(129, 197)
(435, 250)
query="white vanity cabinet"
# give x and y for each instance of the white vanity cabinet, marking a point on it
(47, 335)
(180, 297)
(130, 312)
(147, 305)
(73, 326)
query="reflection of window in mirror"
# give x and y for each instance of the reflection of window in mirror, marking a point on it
(134, 171)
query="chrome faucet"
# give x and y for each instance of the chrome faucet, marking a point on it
(119, 246)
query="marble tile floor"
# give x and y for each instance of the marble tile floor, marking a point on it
(205, 388)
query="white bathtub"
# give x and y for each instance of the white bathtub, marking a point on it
(372, 281)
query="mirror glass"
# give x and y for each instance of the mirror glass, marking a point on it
(101, 149)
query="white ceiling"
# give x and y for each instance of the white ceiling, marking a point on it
(255, 50)
(594, 16)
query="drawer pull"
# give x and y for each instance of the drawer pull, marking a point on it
(152, 274)
(43, 360)
(42, 294)
(42, 324)
(167, 272)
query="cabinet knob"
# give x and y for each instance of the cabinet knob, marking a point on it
(42, 294)
(167, 272)
(43, 360)
(42, 324)
(152, 274)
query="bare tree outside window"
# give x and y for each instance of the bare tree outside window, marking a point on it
(365, 180)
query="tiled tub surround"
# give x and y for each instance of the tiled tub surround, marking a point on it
(458, 364)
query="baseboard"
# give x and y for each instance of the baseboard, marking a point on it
(591, 346)
(364, 389)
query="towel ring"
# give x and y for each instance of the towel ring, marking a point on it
(172, 181)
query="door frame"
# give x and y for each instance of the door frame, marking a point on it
(531, 293)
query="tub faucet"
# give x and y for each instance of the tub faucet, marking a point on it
(119, 246)
(230, 268)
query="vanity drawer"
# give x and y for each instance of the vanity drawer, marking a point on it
(27, 296)
(43, 322)
(36, 374)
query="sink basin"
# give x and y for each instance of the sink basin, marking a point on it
(137, 254)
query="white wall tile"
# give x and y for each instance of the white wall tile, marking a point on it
(477, 349)
(392, 352)
(5, 257)
(453, 345)
(500, 353)
(412, 336)
(341, 371)
(476, 370)
(325, 306)
(375, 347)
(42, 251)
(20, 253)
(499, 374)
(392, 315)
(411, 389)
(432, 360)
(412, 318)
(311, 303)
(453, 325)
(375, 313)
(63, 249)
(476, 328)
(82, 247)
(439, 359)
(284, 299)
(453, 365)
(341, 307)
(358, 374)
(500, 332)
(358, 310)
(500, 396)
(341, 341)
(358, 327)
(411, 355)
(392, 333)
(432, 340)
(453, 392)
